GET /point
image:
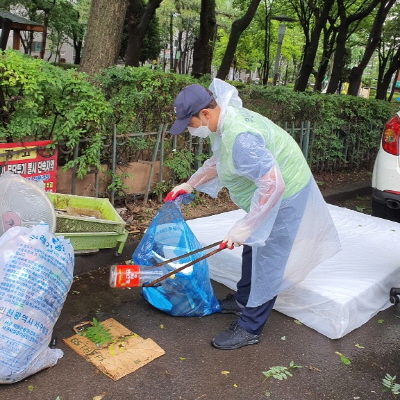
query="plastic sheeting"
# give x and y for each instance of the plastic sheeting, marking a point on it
(266, 175)
(36, 273)
(339, 295)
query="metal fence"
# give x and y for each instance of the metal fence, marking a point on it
(117, 152)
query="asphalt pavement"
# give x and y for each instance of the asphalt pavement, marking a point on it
(191, 369)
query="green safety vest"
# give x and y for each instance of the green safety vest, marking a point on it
(287, 153)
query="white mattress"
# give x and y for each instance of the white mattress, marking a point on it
(341, 294)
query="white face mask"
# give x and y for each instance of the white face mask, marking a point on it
(201, 131)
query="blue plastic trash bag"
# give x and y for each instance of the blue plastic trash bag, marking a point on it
(188, 293)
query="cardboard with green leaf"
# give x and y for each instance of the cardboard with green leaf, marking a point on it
(118, 351)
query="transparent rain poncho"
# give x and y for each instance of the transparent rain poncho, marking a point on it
(287, 222)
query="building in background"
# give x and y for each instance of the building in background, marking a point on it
(14, 28)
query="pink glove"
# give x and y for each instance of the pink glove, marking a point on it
(183, 188)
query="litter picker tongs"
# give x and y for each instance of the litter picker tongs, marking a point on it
(161, 278)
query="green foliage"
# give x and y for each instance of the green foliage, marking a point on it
(345, 360)
(63, 25)
(160, 188)
(180, 162)
(40, 101)
(117, 185)
(280, 372)
(198, 200)
(140, 98)
(97, 333)
(345, 129)
(151, 44)
(66, 66)
(389, 385)
(201, 157)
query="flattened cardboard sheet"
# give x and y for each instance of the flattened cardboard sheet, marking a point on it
(126, 353)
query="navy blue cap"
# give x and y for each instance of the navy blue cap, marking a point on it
(190, 100)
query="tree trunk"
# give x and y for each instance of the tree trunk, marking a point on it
(44, 33)
(78, 49)
(238, 27)
(320, 75)
(339, 59)
(373, 41)
(383, 85)
(137, 28)
(202, 50)
(179, 62)
(186, 54)
(311, 51)
(103, 36)
(264, 71)
(46, 12)
(133, 51)
(328, 46)
(392, 91)
(5, 33)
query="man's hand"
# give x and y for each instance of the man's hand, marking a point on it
(236, 236)
(229, 244)
(224, 245)
(183, 188)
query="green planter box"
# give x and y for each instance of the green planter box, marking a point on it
(90, 223)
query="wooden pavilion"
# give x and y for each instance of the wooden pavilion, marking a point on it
(11, 22)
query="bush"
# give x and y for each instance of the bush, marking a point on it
(346, 129)
(41, 101)
(141, 98)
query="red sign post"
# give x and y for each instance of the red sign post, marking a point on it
(32, 161)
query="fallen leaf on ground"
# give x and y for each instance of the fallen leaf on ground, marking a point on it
(343, 358)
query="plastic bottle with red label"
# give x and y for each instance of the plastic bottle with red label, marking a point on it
(133, 275)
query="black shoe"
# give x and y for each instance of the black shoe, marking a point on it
(234, 337)
(229, 305)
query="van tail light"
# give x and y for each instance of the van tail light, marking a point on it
(390, 136)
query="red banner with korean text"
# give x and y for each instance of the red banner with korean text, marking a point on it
(32, 160)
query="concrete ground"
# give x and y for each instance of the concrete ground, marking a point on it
(193, 370)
